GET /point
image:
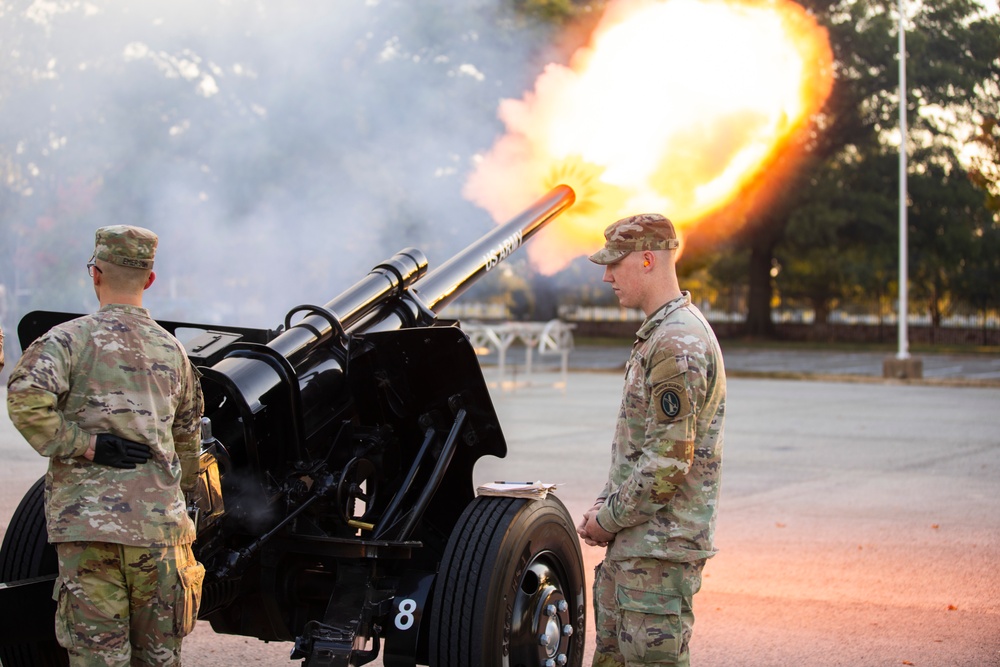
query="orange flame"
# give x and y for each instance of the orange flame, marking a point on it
(675, 107)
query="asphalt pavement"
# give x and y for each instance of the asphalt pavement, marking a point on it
(792, 362)
(860, 517)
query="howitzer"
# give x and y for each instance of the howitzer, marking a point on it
(335, 506)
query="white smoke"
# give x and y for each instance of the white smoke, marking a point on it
(280, 150)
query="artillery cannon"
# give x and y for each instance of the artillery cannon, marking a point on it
(336, 507)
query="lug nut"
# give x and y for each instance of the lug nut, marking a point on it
(550, 610)
(561, 659)
(549, 663)
(567, 630)
(543, 640)
(563, 606)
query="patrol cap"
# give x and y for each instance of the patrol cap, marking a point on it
(126, 245)
(645, 231)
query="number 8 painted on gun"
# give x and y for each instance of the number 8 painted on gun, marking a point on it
(404, 619)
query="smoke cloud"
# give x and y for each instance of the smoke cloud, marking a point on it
(280, 150)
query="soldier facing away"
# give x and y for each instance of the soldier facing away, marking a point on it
(114, 403)
(656, 514)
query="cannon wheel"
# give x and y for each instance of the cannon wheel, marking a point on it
(26, 553)
(510, 588)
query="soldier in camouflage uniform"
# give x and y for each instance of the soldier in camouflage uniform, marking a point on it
(656, 514)
(113, 401)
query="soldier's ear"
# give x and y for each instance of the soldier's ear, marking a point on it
(149, 281)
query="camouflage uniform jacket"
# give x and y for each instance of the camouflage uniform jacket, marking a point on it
(116, 371)
(663, 486)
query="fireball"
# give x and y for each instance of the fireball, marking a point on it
(674, 107)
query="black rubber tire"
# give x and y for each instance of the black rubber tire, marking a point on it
(26, 553)
(509, 560)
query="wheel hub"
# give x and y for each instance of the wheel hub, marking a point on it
(550, 640)
(541, 609)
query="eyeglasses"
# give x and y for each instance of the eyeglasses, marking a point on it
(91, 267)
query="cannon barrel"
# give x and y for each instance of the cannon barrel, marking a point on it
(403, 275)
(386, 280)
(433, 292)
(445, 284)
(297, 379)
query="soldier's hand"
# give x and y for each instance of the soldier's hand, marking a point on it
(596, 533)
(110, 450)
(583, 531)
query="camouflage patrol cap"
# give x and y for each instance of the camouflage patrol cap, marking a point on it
(645, 231)
(126, 245)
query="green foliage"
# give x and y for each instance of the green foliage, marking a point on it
(985, 169)
(951, 232)
(839, 243)
(832, 229)
(718, 276)
(547, 10)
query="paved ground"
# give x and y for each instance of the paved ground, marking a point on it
(743, 361)
(969, 369)
(860, 520)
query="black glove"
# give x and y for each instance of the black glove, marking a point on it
(110, 450)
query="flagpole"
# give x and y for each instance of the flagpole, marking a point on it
(904, 349)
(902, 365)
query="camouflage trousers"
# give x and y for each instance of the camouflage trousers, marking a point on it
(642, 611)
(119, 605)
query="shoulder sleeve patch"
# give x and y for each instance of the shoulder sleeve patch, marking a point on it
(672, 400)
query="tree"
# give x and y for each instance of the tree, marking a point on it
(985, 169)
(949, 228)
(842, 238)
(978, 273)
(953, 44)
